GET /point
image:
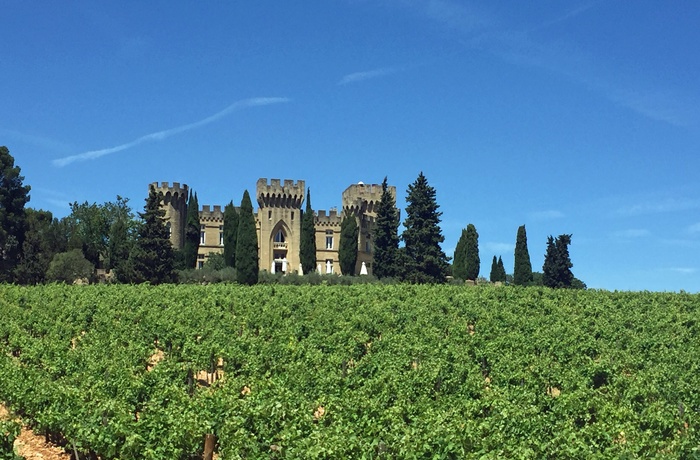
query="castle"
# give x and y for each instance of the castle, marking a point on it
(278, 224)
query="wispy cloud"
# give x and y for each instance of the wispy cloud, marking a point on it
(693, 229)
(660, 206)
(498, 248)
(36, 140)
(550, 214)
(632, 233)
(683, 270)
(366, 75)
(161, 135)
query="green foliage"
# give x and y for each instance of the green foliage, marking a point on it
(37, 250)
(522, 272)
(307, 243)
(501, 271)
(70, 266)
(386, 262)
(230, 234)
(192, 232)
(459, 263)
(152, 259)
(494, 273)
(247, 269)
(472, 263)
(215, 261)
(557, 263)
(347, 251)
(399, 371)
(425, 261)
(9, 430)
(13, 223)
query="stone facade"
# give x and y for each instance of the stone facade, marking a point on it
(278, 223)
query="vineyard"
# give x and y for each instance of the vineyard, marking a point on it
(138, 372)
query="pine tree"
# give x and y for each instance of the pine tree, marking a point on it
(37, 251)
(557, 263)
(459, 261)
(13, 221)
(247, 267)
(152, 258)
(386, 236)
(501, 271)
(347, 251)
(522, 271)
(230, 234)
(192, 232)
(471, 253)
(119, 247)
(307, 243)
(494, 275)
(425, 260)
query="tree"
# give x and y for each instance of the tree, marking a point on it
(501, 271)
(386, 236)
(192, 232)
(494, 274)
(307, 243)
(152, 258)
(70, 266)
(522, 271)
(230, 234)
(471, 253)
(347, 252)
(37, 250)
(119, 248)
(557, 263)
(13, 222)
(425, 260)
(247, 267)
(459, 263)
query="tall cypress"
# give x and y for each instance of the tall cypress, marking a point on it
(459, 262)
(471, 253)
(192, 232)
(230, 234)
(501, 271)
(425, 260)
(557, 263)
(494, 275)
(307, 243)
(386, 236)
(347, 251)
(247, 267)
(522, 270)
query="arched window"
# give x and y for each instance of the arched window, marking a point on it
(279, 236)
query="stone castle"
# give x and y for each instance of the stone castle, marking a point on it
(278, 224)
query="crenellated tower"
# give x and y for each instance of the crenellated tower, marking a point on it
(279, 223)
(175, 205)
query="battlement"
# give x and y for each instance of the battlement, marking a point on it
(330, 218)
(207, 214)
(165, 187)
(363, 198)
(278, 195)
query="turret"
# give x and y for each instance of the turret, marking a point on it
(175, 205)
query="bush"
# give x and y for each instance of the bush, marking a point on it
(70, 266)
(9, 430)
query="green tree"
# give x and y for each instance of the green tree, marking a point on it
(494, 274)
(501, 271)
(152, 258)
(471, 253)
(459, 263)
(247, 268)
(192, 232)
(230, 234)
(386, 236)
(307, 243)
(119, 248)
(522, 271)
(13, 222)
(425, 260)
(37, 251)
(70, 266)
(557, 263)
(347, 251)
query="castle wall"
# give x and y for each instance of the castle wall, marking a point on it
(175, 205)
(211, 222)
(279, 223)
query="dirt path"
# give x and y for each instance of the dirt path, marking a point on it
(32, 446)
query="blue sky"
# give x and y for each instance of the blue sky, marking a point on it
(568, 117)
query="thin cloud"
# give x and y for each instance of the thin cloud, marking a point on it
(660, 206)
(684, 270)
(366, 75)
(161, 135)
(693, 229)
(550, 214)
(632, 233)
(499, 248)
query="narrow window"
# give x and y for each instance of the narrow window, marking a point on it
(201, 234)
(221, 235)
(269, 215)
(329, 266)
(329, 239)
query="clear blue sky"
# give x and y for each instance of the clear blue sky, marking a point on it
(574, 117)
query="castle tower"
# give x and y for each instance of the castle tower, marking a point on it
(279, 224)
(175, 205)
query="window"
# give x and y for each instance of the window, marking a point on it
(269, 215)
(200, 261)
(221, 235)
(201, 234)
(279, 237)
(329, 266)
(292, 215)
(368, 247)
(329, 239)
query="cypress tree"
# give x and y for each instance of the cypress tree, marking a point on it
(192, 232)
(152, 258)
(230, 234)
(347, 252)
(459, 261)
(13, 221)
(557, 263)
(471, 253)
(494, 275)
(501, 271)
(522, 271)
(386, 236)
(307, 243)
(425, 261)
(247, 267)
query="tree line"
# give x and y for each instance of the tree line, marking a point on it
(35, 247)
